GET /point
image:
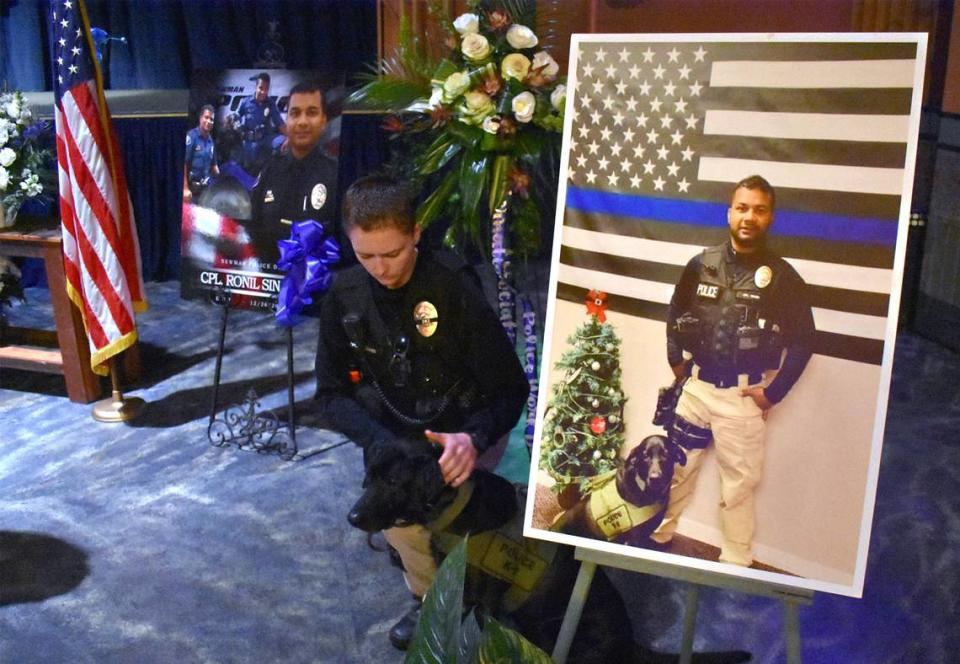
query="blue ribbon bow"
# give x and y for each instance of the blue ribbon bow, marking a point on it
(306, 258)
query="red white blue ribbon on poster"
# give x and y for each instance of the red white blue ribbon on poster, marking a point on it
(306, 258)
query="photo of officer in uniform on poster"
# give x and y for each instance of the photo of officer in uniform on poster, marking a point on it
(723, 300)
(262, 156)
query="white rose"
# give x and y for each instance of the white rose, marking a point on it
(476, 106)
(467, 23)
(545, 65)
(523, 105)
(558, 97)
(455, 85)
(7, 156)
(475, 46)
(520, 36)
(4, 178)
(13, 109)
(4, 136)
(515, 65)
(491, 124)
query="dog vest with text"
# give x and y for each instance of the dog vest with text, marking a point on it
(613, 514)
(504, 554)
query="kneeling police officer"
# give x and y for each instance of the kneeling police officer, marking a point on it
(409, 346)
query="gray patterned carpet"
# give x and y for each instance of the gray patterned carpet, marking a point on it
(143, 543)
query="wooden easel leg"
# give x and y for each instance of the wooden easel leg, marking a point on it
(571, 618)
(691, 606)
(791, 629)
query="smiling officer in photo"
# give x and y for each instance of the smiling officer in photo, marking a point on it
(739, 325)
(299, 183)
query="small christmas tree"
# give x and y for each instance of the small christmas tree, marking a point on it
(583, 431)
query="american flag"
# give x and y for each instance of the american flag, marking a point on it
(662, 130)
(101, 253)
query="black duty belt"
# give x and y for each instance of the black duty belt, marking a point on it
(726, 377)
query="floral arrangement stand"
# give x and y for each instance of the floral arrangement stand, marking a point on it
(477, 129)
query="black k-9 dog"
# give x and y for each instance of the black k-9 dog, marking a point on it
(512, 577)
(626, 507)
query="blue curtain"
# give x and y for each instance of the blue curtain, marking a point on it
(166, 41)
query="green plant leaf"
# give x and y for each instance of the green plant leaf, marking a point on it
(431, 207)
(386, 94)
(498, 180)
(466, 134)
(501, 645)
(474, 169)
(443, 148)
(470, 636)
(437, 637)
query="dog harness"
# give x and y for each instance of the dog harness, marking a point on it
(612, 513)
(504, 554)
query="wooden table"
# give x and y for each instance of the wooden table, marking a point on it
(65, 351)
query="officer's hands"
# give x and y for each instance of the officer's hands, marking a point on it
(759, 398)
(459, 456)
(680, 370)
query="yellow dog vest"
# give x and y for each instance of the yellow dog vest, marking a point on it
(504, 554)
(612, 514)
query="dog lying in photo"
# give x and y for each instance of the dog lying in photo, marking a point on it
(524, 581)
(627, 505)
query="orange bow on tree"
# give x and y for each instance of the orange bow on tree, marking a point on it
(597, 305)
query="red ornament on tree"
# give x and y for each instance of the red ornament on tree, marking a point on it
(598, 425)
(597, 305)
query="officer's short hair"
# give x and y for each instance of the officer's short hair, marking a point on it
(756, 182)
(309, 87)
(376, 201)
(205, 108)
(262, 76)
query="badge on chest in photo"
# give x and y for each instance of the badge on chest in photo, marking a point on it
(318, 195)
(426, 318)
(763, 276)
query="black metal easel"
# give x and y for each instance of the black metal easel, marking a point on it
(243, 424)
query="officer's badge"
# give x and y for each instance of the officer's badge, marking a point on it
(188, 139)
(318, 196)
(763, 276)
(268, 197)
(425, 317)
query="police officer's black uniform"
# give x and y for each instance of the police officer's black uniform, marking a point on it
(735, 313)
(290, 190)
(384, 372)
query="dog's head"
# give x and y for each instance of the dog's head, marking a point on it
(646, 474)
(403, 485)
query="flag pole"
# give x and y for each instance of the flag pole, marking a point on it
(117, 408)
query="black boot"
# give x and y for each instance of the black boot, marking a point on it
(401, 634)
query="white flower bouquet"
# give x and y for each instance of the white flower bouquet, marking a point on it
(478, 124)
(24, 161)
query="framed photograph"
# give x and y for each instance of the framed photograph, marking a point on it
(237, 124)
(760, 311)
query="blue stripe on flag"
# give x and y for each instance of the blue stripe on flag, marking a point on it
(790, 223)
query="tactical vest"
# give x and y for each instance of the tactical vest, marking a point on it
(415, 373)
(732, 320)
